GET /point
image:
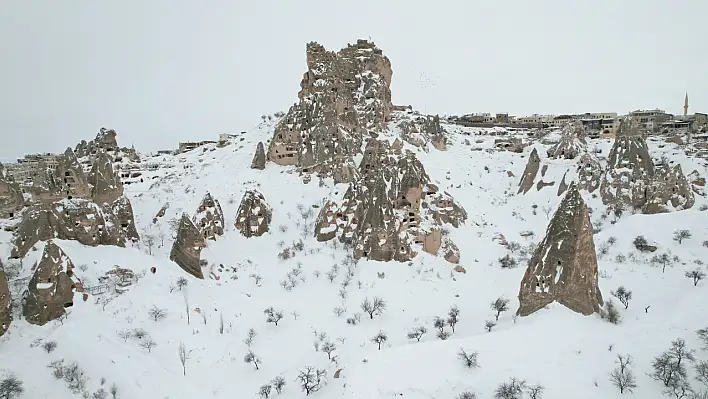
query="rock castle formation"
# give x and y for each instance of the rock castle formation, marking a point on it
(564, 266)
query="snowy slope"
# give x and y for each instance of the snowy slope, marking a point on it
(567, 353)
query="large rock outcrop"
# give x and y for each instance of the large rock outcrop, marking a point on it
(530, 172)
(669, 190)
(5, 303)
(209, 218)
(106, 186)
(105, 141)
(74, 219)
(564, 266)
(187, 248)
(254, 215)
(123, 211)
(51, 288)
(421, 130)
(571, 144)
(259, 158)
(343, 95)
(11, 198)
(589, 173)
(68, 180)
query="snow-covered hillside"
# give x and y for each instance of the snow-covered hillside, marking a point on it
(320, 289)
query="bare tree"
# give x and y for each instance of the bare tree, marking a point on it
(380, 338)
(278, 383)
(453, 316)
(536, 391)
(251, 357)
(221, 323)
(148, 344)
(696, 274)
(328, 347)
(663, 260)
(139, 333)
(114, 391)
(670, 367)
(149, 241)
(703, 336)
(264, 390)
(514, 389)
(466, 395)
(622, 377)
(377, 307)
(610, 313)
(250, 335)
(273, 316)
(185, 295)
(489, 324)
(49, 346)
(417, 333)
(11, 387)
(157, 314)
(701, 369)
(181, 283)
(183, 357)
(681, 235)
(624, 295)
(499, 305)
(469, 359)
(125, 335)
(311, 379)
(440, 324)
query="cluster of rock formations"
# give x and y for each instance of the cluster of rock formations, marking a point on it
(51, 288)
(563, 267)
(11, 198)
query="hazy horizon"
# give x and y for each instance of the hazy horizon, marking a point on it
(161, 72)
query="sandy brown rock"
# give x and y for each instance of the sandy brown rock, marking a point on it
(75, 219)
(254, 215)
(67, 181)
(259, 158)
(530, 172)
(564, 266)
(11, 198)
(5, 303)
(669, 190)
(451, 252)
(589, 173)
(51, 289)
(209, 218)
(122, 209)
(106, 186)
(187, 248)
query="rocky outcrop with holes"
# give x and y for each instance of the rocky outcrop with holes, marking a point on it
(589, 173)
(563, 267)
(5, 303)
(75, 219)
(421, 130)
(630, 170)
(51, 288)
(107, 142)
(106, 186)
(254, 215)
(669, 190)
(122, 209)
(344, 95)
(11, 198)
(187, 248)
(530, 172)
(259, 158)
(209, 218)
(571, 144)
(68, 180)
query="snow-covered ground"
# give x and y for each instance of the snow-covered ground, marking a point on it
(569, 354)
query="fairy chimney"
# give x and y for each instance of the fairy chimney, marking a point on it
(209, 218)
(106, 186)
(254, 215)
(259, 158)
(669, 190)
(571, 144)
(564, 266)
(11, 198)
(187, 248)
(530, 172)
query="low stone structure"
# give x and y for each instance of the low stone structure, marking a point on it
(563, 267)
(209, 218)
(187, 248)
(11, 198)
(5, 303)
(254, 215)
(51, 288)
(259, 158)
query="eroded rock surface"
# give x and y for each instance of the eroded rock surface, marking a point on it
(11, 198)
(68, 181)
(106, 186)
(51, 288)
(571, 144)
(563, 267)
(5, 303)
(589, 173)
(209, 218)
(187, 248)
(669, 190)
(530, 172)
(254, 215)
(259, 158)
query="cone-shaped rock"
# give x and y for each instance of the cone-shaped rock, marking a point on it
(187, 248)
(564, 266)
(11, 199)
(5, 302)
(571, 144)
(51, 288)
(530, 172)
(209, 218)
(123, 212)
(589, 173)
(254, 215)
(106, 186)
(259, 157)
(669, 190)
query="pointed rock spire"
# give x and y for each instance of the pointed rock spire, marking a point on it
(530, 172)
(259, 157)
(51, 287)
(187, 248)
(106, 186)
(254, 215)
(209, 218)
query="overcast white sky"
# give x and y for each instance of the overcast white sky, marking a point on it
(164, 71)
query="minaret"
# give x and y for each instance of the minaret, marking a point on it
(685, 105)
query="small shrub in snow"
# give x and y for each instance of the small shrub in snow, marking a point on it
(417, 333)
(251, 357)
(499, 305)
(11, 387)
(664, 260)
(705, 243)
(468, 359)
(328, 347)
(257, 278)
(439, 323)
(610, 313)
(273, 316)
(183, 357)
(612, 240)
(114, 391)
(622, 377)
(453, 316)
(100, 394)
(703, 207)
(695, 274)
(74, 377)
(375, 307)
(181, 283)
(489, 324)
(670, 366)
(250, 335)
(681, 235)
(641, 243)
(701, 369)
(536, 391)
(148, 344)
(619, 258)
(624, 295)
(139, 333)
(603, 249)
(157, 314)
(355, 319)
(507, 262)
(311, 379)
(513, 246)
(49, 346)
(514, 389)
(283, 228)
(278, 383)
(264, 390)
(466, 395)
(339, 311)
(285, 254)
(443, 335)
(380, 338)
